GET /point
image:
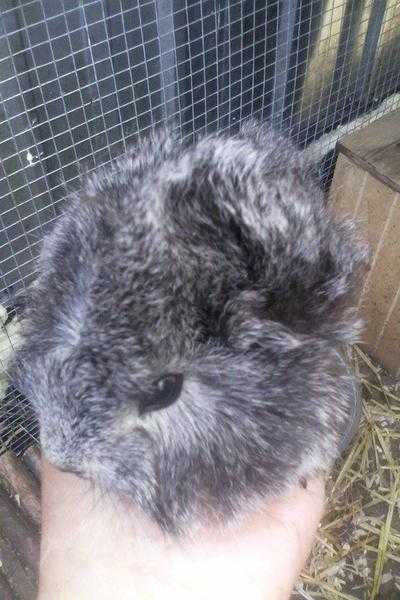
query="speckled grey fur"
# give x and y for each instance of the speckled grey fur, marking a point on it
(220, 261)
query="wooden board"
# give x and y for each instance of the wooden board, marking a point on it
(376, 149)
(360, 189)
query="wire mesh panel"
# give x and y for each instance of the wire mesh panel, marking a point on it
(81, 80)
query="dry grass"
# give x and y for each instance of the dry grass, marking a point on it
(357, 553)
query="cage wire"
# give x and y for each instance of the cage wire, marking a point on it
(82, 80)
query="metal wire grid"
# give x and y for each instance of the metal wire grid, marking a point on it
(80, 80)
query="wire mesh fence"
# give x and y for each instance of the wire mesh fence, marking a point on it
(81, 80)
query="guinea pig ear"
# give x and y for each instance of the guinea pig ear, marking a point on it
(246, 326)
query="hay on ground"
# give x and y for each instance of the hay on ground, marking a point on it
(357, 552)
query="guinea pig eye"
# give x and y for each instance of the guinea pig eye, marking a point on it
(165, 391)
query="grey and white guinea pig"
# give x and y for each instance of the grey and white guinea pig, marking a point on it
(183, 343)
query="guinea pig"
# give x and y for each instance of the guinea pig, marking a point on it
(183, 344)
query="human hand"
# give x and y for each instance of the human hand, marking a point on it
(96, 547)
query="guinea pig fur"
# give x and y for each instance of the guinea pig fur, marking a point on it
(183, 345)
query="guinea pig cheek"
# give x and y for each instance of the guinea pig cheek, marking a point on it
(61, 447)
(125, 423)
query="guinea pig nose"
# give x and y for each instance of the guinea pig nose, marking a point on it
(165, 391)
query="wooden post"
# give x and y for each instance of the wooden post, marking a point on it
(19, 483)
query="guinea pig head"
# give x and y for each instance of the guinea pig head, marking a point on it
(183, 342)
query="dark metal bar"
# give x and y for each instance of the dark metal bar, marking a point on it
(286, 25)
(165, 26)
(222, 27)
(306, 33)
(370, 46)
(27, 141)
